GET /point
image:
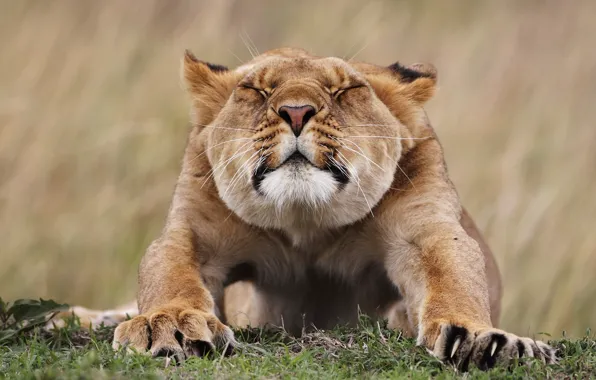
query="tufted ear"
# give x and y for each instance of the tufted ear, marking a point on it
(418, 81)
(209, 86)
(403, 89)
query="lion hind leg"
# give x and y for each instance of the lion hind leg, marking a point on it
(397, 319)
(90, 319)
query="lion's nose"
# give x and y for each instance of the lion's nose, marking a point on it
(296, 117)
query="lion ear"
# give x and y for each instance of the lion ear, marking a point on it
(199, 74)
(209, 85)
(418, 81)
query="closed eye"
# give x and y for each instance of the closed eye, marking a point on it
(263, 93)
(337, 93)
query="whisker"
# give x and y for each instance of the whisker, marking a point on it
(246, 163)
(226, 162)
(359, 51)
(387, 155)
(236, 154)
(400, 169)
(339, 166)
(357, 177)
(409, 180)
(238, 58)
(247, 45)
(262, 159)
(254, 46)
(238, 174)
(216, 145)
(257, 163)
(372, 125)
(361, 154)
(349, 50)
(218, 127)
(390, 137)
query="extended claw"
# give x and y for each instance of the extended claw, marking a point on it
(455, 346)
(493, 348)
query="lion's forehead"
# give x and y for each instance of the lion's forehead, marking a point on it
(274, 69)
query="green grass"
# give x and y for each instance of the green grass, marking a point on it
(369, 351)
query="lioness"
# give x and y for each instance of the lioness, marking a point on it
(311, 189)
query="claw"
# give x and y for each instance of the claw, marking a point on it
(493, 348)
(455, 346)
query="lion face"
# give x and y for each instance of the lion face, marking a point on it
(295, 141)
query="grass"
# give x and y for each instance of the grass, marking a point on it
(93, 124)
(369, 351)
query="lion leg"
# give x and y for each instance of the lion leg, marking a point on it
(493, 276)
(177, 311)
(445, 272)
(440, 270)
(397, 319)
(89, 318)
(242, 305)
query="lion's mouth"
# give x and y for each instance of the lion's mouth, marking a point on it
(296, 157)
(338, 171)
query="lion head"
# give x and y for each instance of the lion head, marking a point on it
(298, 142)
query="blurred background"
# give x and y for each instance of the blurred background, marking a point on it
(93, 124)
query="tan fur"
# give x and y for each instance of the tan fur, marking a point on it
(392, 241)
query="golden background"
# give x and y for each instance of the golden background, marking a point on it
(93, 123)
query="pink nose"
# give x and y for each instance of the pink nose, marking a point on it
(296, 117)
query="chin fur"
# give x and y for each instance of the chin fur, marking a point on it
(298, 184)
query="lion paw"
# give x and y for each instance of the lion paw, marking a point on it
(174, 332)
(486, 348)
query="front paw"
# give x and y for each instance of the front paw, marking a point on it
(486, 347)
(175, 332)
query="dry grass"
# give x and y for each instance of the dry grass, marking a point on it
(93, 123)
